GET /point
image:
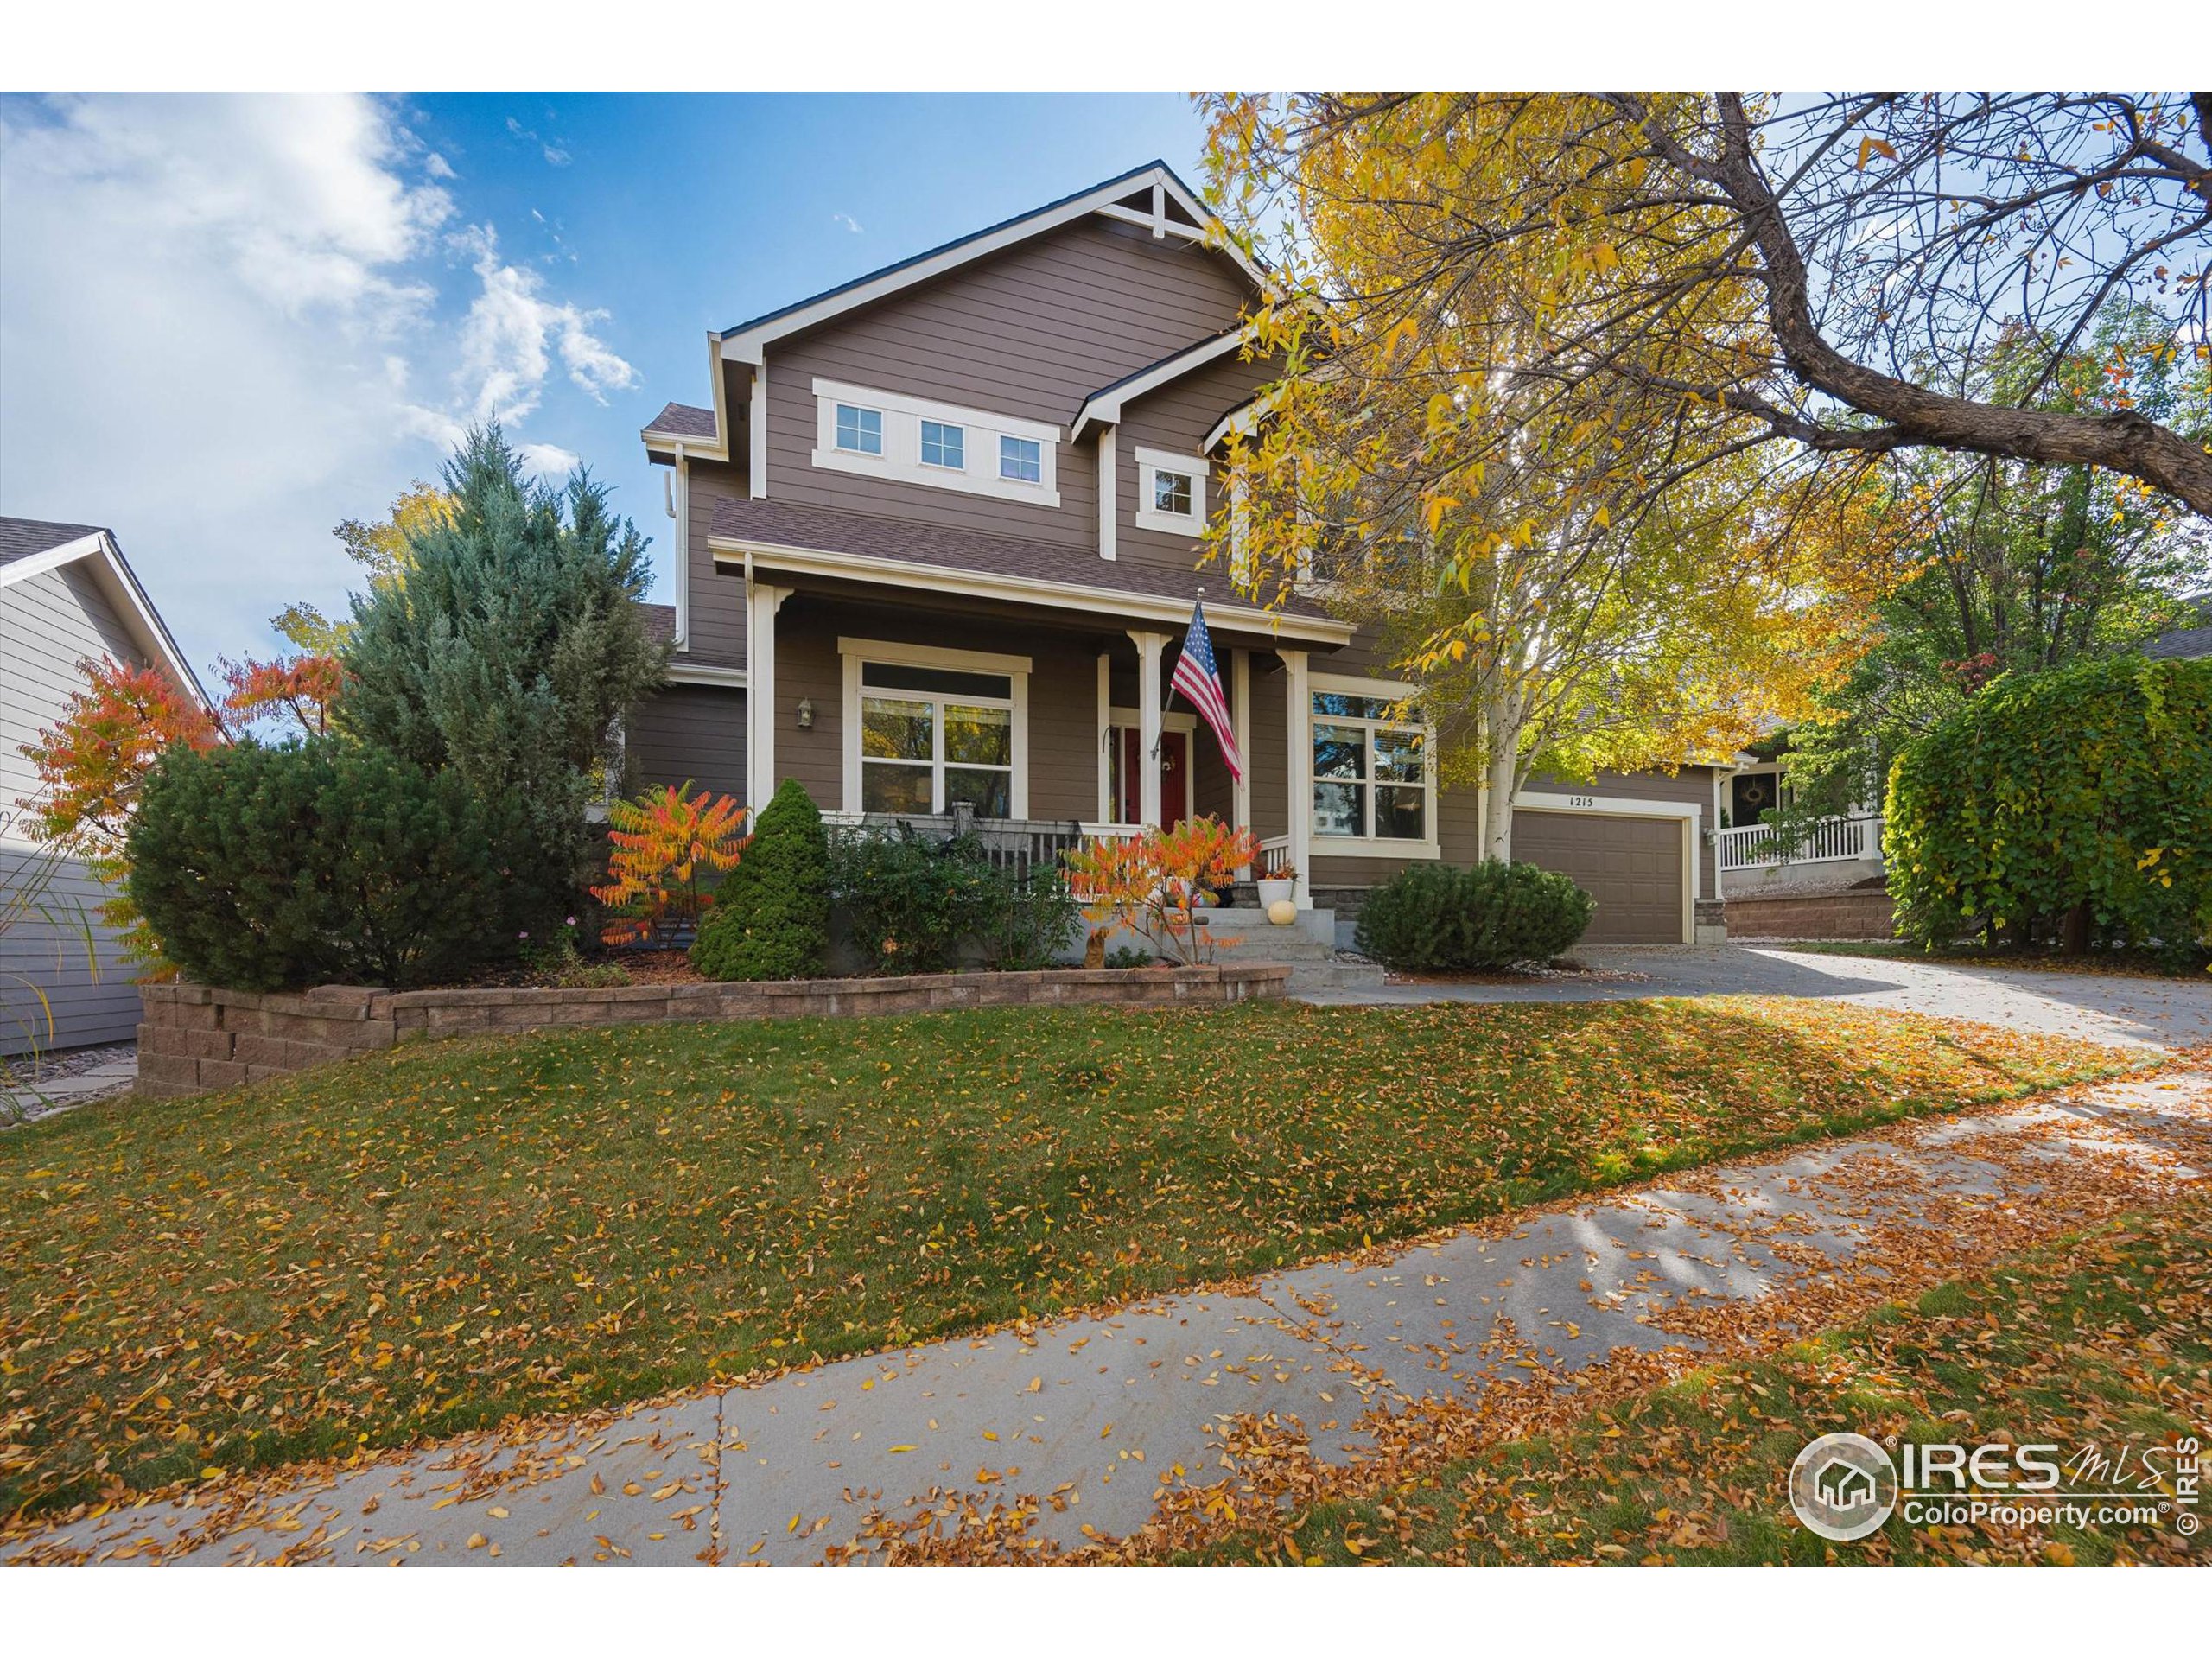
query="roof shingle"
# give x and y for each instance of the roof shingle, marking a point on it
(681, 420)
(21, 537)
(780, 524)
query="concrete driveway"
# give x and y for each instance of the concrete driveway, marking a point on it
(2122, 1009)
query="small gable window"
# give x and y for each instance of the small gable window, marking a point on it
(859, 430)
(945, 445)
(1021, 459)
(1171, 493)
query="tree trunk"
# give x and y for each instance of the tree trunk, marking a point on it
(1501, 741)
(2077, 930)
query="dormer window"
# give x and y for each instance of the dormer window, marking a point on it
(859, 431)
(1171, 493)
(945, 445)
(1021, 460)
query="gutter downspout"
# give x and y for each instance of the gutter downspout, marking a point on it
(682, 514)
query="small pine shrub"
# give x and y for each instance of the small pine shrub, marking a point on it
(268, 870)
(771, 915)
(1439, 917)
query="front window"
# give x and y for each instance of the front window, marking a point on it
(1021, 459)
(1370, 769)
(943, 445)
(859, 430)
(930, 737)
(1171, 493)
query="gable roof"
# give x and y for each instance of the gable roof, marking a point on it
(31, 547)
(1105, 404)
(747, 342)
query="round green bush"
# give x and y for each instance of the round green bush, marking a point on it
(2090, 785)
(771, 915)
(267, 869)
(1431, 918)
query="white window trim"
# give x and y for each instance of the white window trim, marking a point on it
(856, 651)
(1173, 523)
(901, 459)
(1327, 846)
(1171, 720)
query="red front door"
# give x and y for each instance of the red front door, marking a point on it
(1174, 766)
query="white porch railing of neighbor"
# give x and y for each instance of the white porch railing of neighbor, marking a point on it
(1275, 856)
(1756, 846)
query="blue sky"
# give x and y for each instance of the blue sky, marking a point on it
(227, 324)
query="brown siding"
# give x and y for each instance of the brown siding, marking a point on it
(1176, 418)
(690, 732)
(717, 598)
(1030, 333)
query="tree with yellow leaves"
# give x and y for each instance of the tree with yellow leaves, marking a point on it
(1566, 594)
(379, 548)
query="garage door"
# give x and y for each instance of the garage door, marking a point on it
(1632, 867)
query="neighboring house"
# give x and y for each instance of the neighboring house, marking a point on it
(935, 547)
(2193, 641)
(66, 594)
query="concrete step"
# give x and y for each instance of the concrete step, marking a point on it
(1248, 935)
(1333, 977)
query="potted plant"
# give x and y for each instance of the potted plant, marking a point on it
(1279, 888)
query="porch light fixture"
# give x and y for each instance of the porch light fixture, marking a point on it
(806, 714)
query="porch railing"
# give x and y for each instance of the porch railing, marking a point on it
(1275, 858)
(1018, 844)
(1758, 846)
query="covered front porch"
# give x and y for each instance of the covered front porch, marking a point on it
(1040, 724)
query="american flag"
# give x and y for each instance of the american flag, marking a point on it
(1198, 677)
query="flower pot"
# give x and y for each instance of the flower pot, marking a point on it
(1275, 891)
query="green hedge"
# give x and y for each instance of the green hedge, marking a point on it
(270, 869)
(771, 915)
(924, 906)
(2088, 785)
(1433, 917)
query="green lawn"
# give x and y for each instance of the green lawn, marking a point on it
(431, 1240)
(2103, 1339)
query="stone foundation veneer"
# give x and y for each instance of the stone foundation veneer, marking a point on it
(196, 1038)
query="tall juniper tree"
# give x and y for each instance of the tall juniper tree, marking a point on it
(507, 653)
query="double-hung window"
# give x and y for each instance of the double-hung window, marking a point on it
(1371, 774)
(859, 431)
(1021, 460)
(932, 737)
(945, 445)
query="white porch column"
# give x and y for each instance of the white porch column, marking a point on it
(1149, 645)
(1240, 722)
(1300, 773)
(761, 604)
(1107, 805)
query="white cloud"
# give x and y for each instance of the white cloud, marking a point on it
(549, 461)
(509, 339)
(554, 153)
(848, 221)
(218, 318)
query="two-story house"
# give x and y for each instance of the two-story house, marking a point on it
(935, 544)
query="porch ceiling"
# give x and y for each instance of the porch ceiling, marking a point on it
(819, 548)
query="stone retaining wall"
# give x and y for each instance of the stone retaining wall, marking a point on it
(195, 1038)
(1861, 915)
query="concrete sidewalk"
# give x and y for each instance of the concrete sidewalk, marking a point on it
(1086, 1420)
(2129, 1010)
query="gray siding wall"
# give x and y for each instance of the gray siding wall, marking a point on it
(49, 623)
(1030, 333)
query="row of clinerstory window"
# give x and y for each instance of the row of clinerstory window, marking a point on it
(915, 441)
